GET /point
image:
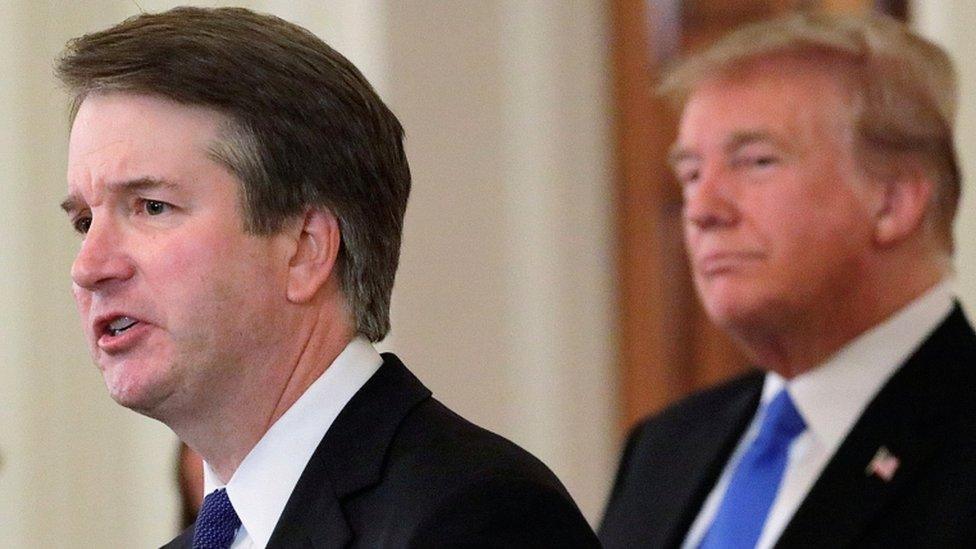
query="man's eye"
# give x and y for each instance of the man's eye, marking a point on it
(686, 173)
(687, 177)
(82, 224)
(154, 207)
(757, 161)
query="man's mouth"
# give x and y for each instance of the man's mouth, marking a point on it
(726, 261)
(119, 333)
(120, 325)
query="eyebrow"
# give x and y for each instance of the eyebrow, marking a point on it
(742, 139)
(73, 203)
(732, 144)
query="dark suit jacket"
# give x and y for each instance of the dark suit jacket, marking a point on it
(398, 469)
(925, 415)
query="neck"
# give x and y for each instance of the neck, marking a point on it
(797, 344)
(224, 435)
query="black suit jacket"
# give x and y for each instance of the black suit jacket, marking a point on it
(398, 469)
(925, 415)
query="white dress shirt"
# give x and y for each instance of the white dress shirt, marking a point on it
(830, 397)
(262, 484)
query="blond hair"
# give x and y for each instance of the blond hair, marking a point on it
(902, 87)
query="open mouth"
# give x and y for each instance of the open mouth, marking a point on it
(120, 325)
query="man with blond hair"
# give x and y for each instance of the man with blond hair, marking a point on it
(239, 189)
(820, 183)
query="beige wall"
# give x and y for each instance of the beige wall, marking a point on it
(502, 305)
(950, 24)
(505, 290)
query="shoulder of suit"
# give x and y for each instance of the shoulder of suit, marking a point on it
(437, 460)
(435, 439)
(499, 510)
(703, 406)
(470, 486)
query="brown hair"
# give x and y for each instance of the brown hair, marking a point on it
(902, 86)
(305, 129)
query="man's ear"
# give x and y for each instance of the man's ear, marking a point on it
(314, 258)
(907, 195)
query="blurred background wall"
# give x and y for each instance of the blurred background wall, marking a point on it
(505, 304)
(950, 24)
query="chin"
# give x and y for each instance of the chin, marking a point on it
(735, 312)
(135, 392)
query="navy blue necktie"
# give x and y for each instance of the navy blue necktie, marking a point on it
(755, 482)
(217, 522)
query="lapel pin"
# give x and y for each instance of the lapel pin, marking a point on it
(883, 465)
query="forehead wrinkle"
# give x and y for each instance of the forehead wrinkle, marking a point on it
(792, 85)
(97, 154)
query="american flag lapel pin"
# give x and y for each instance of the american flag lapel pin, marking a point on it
(883, 465)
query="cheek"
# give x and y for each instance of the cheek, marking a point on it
(819, 251)
(179, 275)
(800, 219)
(215, 281)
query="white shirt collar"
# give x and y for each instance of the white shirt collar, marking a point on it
(262, 484)
(833, 395)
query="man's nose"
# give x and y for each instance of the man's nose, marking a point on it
(102, 259)
(709, 203)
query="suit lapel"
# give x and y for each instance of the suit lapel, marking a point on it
(906, 419)
(672, 462)
(703, 461)
(349, 459)
(313, 515)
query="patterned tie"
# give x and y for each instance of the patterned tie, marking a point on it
(756, 479)
(216, 523)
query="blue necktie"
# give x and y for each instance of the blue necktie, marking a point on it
(756, 479)
(217, 522)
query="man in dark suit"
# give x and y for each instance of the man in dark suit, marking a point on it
(819, 178)
(240, 191)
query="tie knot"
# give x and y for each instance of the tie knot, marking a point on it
(217, 522)
(782, 422)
